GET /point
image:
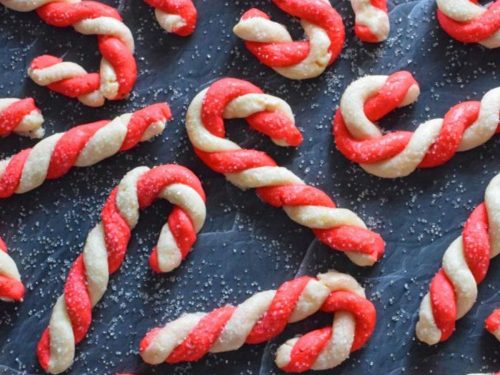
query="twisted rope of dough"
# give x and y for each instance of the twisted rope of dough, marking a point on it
(20, 116)
(273, 46)
(492, 323)
(264, 316)
(399, 153)
(105, 249)
(453, 290)
(11, 287)
(469, 22)
(175, 16)
(118, 71)
(232, 98)
(82, 146)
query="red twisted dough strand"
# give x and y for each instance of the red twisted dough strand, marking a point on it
(208, 331)
(11, 288)
(492, 323)
(476, 30)
(373, 150)
(286, 54)
(149, 184)
(13, 115)
(184, 9)
(276, 125)
(71, 144)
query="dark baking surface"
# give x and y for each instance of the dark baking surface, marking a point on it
(245, 245)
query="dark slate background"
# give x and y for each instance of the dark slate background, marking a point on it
(245, 245)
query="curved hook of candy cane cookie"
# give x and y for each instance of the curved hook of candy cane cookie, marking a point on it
(469, 22)
(81, 146)
(105, 249)
(397, 154)
(11, 287)
(492, 324)
(251, 169)
(20, 116)
(264, 316)
(273, 46)
(453, 290)
(118, 70)
(175, 16)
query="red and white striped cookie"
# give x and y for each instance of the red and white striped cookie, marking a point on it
(20, 116)
(264, 316)
(11, 287)
(492, 324)
(81, 146)
(470, 22)
(175, 16)
(453, 290)
(398, 153)
(273, 46)
(231, 98)
(118, 70)
(105, 249)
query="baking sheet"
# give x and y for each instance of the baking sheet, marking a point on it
(246, 246)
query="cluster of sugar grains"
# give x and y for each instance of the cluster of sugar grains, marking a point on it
(20, 116)
(273, 46)
(230, 98)
(175, 16)
(469, 22)
(453, 290)
(106, 245)
(397, 154)
(118, 70)
(264, 316)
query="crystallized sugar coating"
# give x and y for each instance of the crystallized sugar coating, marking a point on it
(20, 116)
(175, 16)
(105, 249)
(264, 316)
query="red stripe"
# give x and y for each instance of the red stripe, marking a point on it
(11, 177)
(443, 302)
(276, 317)
(476, 241)
(12, 116)
(183, 8)
(492, 323)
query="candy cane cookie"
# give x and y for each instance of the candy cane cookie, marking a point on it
(231, 98)
(264, 316)
(453, 290)
(118, 70)
(20, 116)
(81, 146)
(273, 46)
(397, 154)
(105, 249)
(175, 16)
(469, 22)
(11, 287)
(492, 324)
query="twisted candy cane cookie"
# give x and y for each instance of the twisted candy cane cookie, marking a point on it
(20, 116)
(273, 46)
(469, 22)
(492, 324)
(82, 146)
(264, 316)
(175, 16)
(106, 246)
(11, 287)
(231, 98)
(453, 290)
(397, 154)
(118, 71)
